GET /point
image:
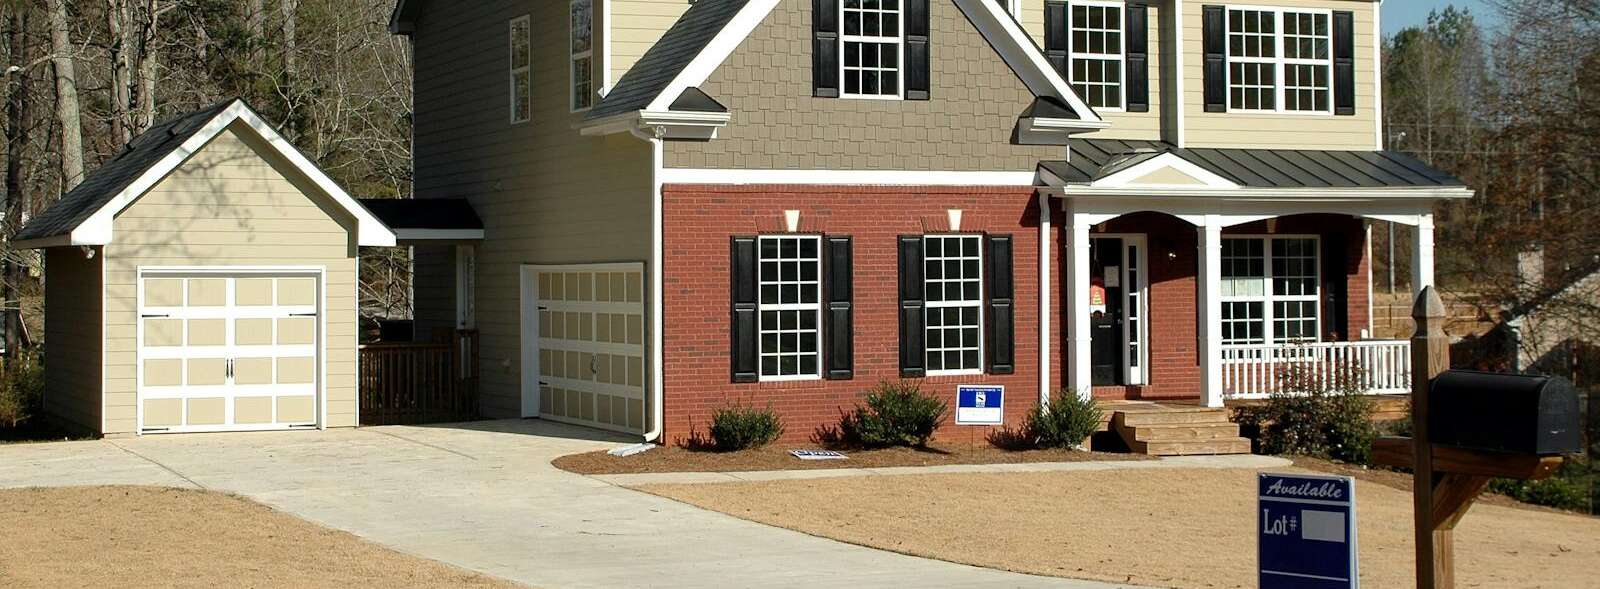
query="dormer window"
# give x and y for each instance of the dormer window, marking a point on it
(873, 48)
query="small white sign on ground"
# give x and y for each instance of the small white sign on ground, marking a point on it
(817, 454)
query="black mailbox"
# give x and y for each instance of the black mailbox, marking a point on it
(1505, 412)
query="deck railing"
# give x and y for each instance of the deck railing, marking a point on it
(1379, 367)
(420, 382)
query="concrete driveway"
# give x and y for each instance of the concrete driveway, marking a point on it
(483, 496)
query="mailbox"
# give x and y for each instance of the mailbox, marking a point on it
(1504, 412)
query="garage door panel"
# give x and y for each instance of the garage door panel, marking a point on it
(228, 352)
(590, 336)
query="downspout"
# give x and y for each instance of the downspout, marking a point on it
(1045, 210)
(653, 135)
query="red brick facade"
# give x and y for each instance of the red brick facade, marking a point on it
(700, 220)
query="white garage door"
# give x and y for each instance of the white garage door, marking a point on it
(228, 352)
(589, 349)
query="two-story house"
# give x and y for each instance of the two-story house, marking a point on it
(783, 202)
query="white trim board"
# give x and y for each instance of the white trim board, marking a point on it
(847, 177)
(97, 228)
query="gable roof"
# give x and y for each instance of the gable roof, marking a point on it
(1094, 159)
(84, 215)
(710, 30)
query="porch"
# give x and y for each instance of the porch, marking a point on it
(1273, 296)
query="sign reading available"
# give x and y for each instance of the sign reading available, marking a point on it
(1307, 532)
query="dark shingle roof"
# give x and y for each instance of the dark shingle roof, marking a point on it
(109, 180)
(1260, 168)
(424, 213)
(686, 39)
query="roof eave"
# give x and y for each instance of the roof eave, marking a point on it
(673, 124)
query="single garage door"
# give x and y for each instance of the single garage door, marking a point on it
(590, 344)
(228, 352)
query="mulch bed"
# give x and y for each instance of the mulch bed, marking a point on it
(777, 457)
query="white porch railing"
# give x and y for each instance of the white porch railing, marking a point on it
(1382, 367)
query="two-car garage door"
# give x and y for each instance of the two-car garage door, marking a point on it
(223, 351)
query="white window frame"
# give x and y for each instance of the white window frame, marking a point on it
(899, 42)
(1269, 295)
(574, 56)
(1278, 61)
(762, 308)
(1121, 57)
(929, 305)
(513, 71)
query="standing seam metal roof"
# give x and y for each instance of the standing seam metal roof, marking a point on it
(1260, 168)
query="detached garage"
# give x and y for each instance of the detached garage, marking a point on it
(203, 280)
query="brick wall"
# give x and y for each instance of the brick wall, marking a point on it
(699, 221)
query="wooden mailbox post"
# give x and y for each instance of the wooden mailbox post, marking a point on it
(1446, 478)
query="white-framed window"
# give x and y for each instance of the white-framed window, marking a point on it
(953, 280)
(873, 47)
(1280, 60)
(1097, 48)
(789, 309)
(1271, 289)
(520, 75)
(582, 54)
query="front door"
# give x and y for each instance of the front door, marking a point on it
(1117, 310)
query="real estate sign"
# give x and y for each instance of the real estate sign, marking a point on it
(1307, 532)
(980, 404)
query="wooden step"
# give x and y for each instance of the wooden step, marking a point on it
(1195, 415)
(1201, 447)
(1187, 432)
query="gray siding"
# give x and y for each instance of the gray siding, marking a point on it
(73, 337)
(433, 290)
(547, 195)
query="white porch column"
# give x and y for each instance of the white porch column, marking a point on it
(1045, 333)
(1079, 372)
(1422, 255)
(1210, 245)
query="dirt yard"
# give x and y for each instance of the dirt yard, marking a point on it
(159, 537)
(777, 457)
(1177, 528)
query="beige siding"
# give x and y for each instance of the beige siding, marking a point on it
(72, 340)
(635, 26)
(547, 195)
(227, 206)
(433, 289)
(1283, 131)
(777, 124)
(1124, 125)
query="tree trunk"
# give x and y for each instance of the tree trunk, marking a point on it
(67, 108)
(145, 64)
(122, 50)
(255, 19)
(17, 139)
(291, 70)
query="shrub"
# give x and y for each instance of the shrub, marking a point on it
(21, 390)
(1313, 416)
(738, 427)
(1570, 488)
(1065, 422)
(896, 414)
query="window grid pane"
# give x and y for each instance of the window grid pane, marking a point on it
(1279, 61)
(520, 74)
(1270, 282)
(788, 276)
(953, 275)
(582, 48)
(872, 45)
(1097, 54)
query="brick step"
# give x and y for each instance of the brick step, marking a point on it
(1179, 432)
(1196, 415)
(1202, 447)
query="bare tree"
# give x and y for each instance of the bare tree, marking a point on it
(68, 110)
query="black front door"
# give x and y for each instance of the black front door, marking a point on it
(1106, 302)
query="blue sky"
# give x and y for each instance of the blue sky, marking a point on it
(1399, 14)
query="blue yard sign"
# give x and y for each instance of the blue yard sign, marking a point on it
(1307, 532)
(980, 404)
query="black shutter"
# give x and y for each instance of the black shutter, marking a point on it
(1000, 332)
(742, 292)
(1215, 33)
(1055, 36)
(1344, 63)
(825, 48)
(1138, 57)
(917, 62)
(913, 332)
(839, 349)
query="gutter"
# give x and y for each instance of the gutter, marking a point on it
(653, 135)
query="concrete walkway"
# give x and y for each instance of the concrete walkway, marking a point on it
(484, 496)
(1250, 461)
